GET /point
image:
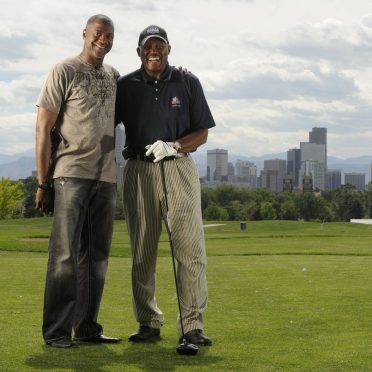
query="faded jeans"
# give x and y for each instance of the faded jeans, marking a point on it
(78, 256)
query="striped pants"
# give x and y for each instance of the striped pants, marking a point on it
(144, 204)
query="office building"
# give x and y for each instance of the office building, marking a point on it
(246, 172)
(356, 179)
(333, 179)
(217, 165)
(269, 180)
(312, 161)
(319, 136)
(294, 165)
(314, 170)
(278, 165)
(230, 172)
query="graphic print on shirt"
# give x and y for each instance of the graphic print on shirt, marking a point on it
(98, 88)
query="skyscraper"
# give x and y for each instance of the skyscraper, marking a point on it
(246, 172)
(217, 165)
(333, 179)
(312, 163)
(294, 165)
(319, 136)
(269, 180)
(280, 166)
(356, 179)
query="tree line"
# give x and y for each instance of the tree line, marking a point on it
(230, 203)
(226, 202)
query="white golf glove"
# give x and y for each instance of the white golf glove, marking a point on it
(161, 150)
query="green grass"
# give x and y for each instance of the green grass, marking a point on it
(265, 313)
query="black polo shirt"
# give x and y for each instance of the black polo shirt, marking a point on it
(164, 109)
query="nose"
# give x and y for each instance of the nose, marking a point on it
(103, 38)
(154, 47)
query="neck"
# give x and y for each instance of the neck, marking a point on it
(154, 74)
(92, 61)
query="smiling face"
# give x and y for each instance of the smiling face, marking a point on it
(154, 56)
(98, 39)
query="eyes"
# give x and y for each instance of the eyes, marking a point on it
(109, 35)
(159, 46)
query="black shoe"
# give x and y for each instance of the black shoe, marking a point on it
(145, 333)
(197, 337)
(63, 342)
(99, 339)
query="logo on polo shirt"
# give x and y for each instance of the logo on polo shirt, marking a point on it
(175, 102)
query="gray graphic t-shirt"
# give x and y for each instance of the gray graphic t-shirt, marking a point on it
(84, 99)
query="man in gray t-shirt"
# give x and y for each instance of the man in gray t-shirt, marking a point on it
(78, 103)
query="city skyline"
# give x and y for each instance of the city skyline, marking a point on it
(305, 169)
(270, 70)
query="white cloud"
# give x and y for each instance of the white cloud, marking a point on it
(271, 70)
(17, 133)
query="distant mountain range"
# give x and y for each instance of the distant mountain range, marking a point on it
(21, 165)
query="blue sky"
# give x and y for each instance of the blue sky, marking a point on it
(271, 69)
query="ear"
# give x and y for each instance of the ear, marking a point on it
(138, 52)
(169, 49)
(84, 31)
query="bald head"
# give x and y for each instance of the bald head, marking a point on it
(102, 18)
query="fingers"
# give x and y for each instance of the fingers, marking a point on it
(159, 149)
(39, 198)
(158, 158)
(151, 148)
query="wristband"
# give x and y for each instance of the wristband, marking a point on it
(43, 185)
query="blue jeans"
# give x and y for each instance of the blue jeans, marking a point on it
(78, 256)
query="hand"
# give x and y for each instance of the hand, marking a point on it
(183, 69)
(39, 198)
(44, 200)
(161, 150)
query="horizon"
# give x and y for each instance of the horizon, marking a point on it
(204, 151)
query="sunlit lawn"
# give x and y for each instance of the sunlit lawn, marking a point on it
(290, 296)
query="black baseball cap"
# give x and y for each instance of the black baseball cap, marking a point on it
(152, 31)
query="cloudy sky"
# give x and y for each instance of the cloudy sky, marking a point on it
(271, 69)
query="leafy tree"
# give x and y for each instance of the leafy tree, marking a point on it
(225, 193)
(11, 194)
(207, 197)
(215, 213)
(349, 203)
(261, 195)
(30, 187)
(309, 206)
(288, 210)
(368, 201)
(267, 211)
(234, 210)
(255, 204)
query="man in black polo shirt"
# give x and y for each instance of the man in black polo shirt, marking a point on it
(166, 117)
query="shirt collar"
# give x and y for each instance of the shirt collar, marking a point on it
(166, 74)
